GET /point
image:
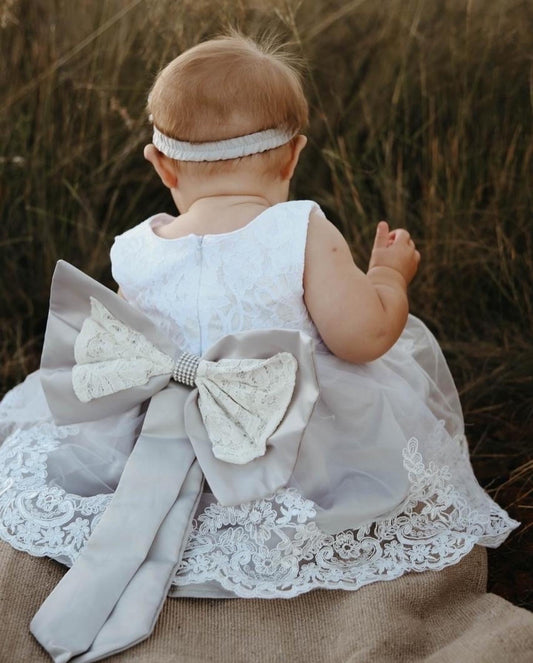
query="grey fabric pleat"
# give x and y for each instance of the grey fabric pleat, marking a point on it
(134, 616)
(112, 595)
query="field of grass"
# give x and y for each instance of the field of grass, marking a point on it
(421, 113)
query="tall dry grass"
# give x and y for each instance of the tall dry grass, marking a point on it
(421, 113)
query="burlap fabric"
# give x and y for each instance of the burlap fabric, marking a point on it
(439, 617)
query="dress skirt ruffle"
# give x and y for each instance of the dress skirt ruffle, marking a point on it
(382, 484)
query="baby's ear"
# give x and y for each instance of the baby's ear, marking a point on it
(297, 145)
(163, 166)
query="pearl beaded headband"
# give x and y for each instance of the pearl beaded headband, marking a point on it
(219, 150)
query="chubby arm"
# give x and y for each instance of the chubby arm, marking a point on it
(359, 316)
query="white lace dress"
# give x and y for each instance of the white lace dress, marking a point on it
(383, 484)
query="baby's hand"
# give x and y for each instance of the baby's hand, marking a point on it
(395, 249)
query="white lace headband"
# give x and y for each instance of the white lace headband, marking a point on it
(219, 150)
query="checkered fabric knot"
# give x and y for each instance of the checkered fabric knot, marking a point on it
(185, 369)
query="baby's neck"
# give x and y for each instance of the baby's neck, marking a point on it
(222, 203)
(228, 190)
(213, 215)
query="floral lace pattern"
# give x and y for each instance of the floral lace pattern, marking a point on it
(272, 547)
(40, 519)
(242, 402)
(112, 357)
(197, 289)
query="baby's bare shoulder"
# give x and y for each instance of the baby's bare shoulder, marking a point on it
(326, 248)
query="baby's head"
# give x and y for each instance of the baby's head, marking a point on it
(226, 88)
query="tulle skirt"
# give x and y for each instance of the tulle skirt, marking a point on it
(382, 485)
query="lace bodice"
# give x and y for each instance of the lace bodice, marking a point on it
(199, 288)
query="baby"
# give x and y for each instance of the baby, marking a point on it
(360, 472)
(228, 117)
(227, 88)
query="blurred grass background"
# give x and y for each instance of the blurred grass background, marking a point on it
(421, 113)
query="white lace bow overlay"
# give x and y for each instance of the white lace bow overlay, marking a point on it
(242, 401)
(112, 357)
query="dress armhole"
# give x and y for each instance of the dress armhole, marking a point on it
(295, 226)
(310, 208)
(124, 255)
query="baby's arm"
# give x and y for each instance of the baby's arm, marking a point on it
(359, 316)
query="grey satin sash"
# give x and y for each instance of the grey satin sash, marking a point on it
(231, 484)
(111, 597)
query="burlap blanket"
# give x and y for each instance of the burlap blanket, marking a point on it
(439, 617)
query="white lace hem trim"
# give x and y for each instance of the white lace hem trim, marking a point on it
(272, 547)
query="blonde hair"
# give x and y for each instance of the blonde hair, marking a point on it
(227, 87)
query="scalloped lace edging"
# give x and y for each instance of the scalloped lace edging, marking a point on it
(35, 517)
(271, 547)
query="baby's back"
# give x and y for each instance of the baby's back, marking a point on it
(199, 288)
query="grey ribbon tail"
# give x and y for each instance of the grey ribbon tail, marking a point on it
(134, 616)
(112, 595)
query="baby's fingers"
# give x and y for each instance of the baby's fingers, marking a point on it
(382, 235)
(401, 235)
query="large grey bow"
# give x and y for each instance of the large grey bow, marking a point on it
(70, 309)
(100, 605)
(241, 401)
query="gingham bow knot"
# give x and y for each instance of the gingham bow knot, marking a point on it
(242, 401)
